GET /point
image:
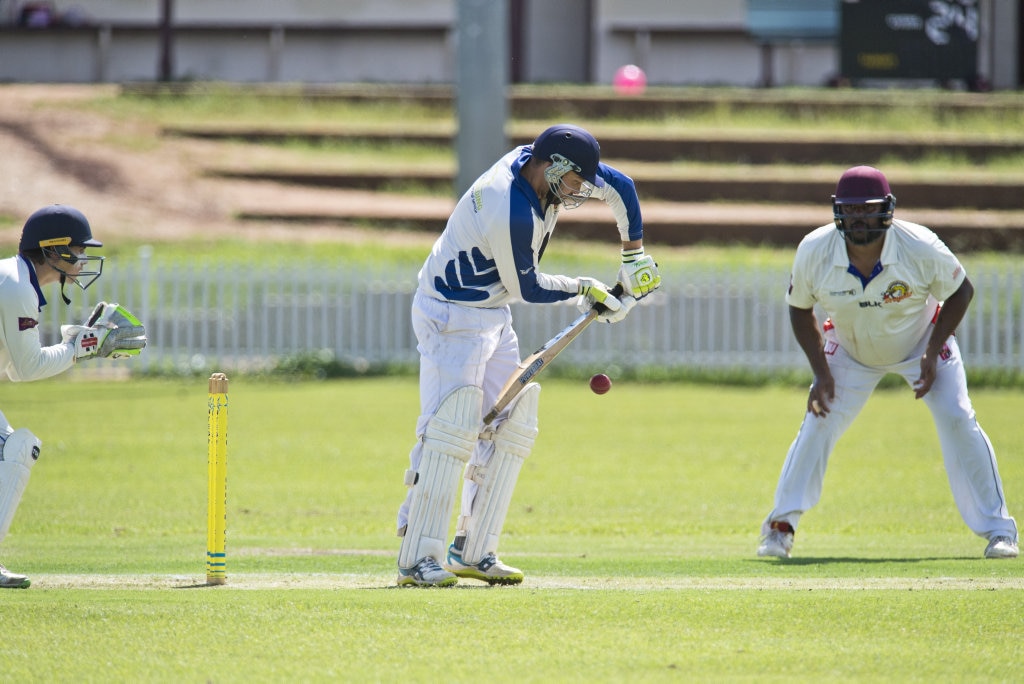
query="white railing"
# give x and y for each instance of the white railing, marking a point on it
(244, 318)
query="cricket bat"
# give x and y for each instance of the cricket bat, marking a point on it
(532, 365)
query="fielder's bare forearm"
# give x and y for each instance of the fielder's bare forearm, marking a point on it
(952, 312)
(808, 336)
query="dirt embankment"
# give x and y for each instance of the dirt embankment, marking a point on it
(127, 178)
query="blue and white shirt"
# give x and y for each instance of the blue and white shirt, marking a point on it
(488, 254)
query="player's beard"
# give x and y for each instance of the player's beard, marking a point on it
(858, 232)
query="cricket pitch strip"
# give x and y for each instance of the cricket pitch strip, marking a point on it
(244, 581)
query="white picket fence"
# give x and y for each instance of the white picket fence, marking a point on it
(248, 318)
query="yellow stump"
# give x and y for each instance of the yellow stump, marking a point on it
(217, 471)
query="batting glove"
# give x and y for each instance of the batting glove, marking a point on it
(627, 301)
(592, 292)
(639, 274)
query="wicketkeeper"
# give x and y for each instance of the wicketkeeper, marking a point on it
(52, 249)
(488, 256)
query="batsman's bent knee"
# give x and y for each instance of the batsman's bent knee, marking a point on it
(513, 442)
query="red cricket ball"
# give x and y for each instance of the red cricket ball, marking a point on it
(600, 383)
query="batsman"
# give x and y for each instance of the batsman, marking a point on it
(488, 256)
(51, 250)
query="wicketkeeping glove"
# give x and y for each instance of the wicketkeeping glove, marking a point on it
(118, 343)
(592, 291)
(111, 331)
(639, 274)
(84, 340)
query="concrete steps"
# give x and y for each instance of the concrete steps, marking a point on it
(669, 223)
(663, 146)
(590, 102)
(674, 185)
(698, 185)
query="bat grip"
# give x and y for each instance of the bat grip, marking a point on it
(614, 292)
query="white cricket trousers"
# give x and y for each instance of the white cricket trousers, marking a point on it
(967, 454)
(459, 346)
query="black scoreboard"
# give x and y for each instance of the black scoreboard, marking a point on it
(909, 39)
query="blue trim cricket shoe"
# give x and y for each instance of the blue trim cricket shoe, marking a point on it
(426, 573)
(12, 580)
(490, 569)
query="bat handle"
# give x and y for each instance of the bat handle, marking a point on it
(614, 292)
(491, 415)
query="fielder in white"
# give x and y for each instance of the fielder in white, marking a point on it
(894, 294)
(488, 256)
(52, 249)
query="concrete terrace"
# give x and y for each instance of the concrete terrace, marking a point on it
(698, 186)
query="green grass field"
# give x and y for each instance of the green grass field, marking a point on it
(636, 518)
(636, 529)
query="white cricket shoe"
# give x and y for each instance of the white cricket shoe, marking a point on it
(490, 569)
(426, 573)
(1001, 547)
(12, 580)
(778, 542)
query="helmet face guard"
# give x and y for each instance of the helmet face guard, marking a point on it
(60, 249)
(863, 186)
(566, 195)
(882, 209)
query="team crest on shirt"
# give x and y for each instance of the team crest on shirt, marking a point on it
(896, 292)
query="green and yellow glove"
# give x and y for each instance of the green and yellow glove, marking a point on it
(638, 273)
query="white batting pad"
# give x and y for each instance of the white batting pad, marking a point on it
(513, 441)
(448, 443)
(19, 453)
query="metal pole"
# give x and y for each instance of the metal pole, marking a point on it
(166, 67)
(481, 76)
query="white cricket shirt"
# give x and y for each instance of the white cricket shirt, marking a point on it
(880, 321)
(22, 357)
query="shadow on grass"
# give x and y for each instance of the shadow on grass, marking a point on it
(830, 560)
(202, 585)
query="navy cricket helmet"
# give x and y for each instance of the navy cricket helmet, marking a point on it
(568, 148)
(55, 229)
(573, 144)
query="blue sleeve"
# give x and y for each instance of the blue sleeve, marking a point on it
(531, 287)
(627, 208)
